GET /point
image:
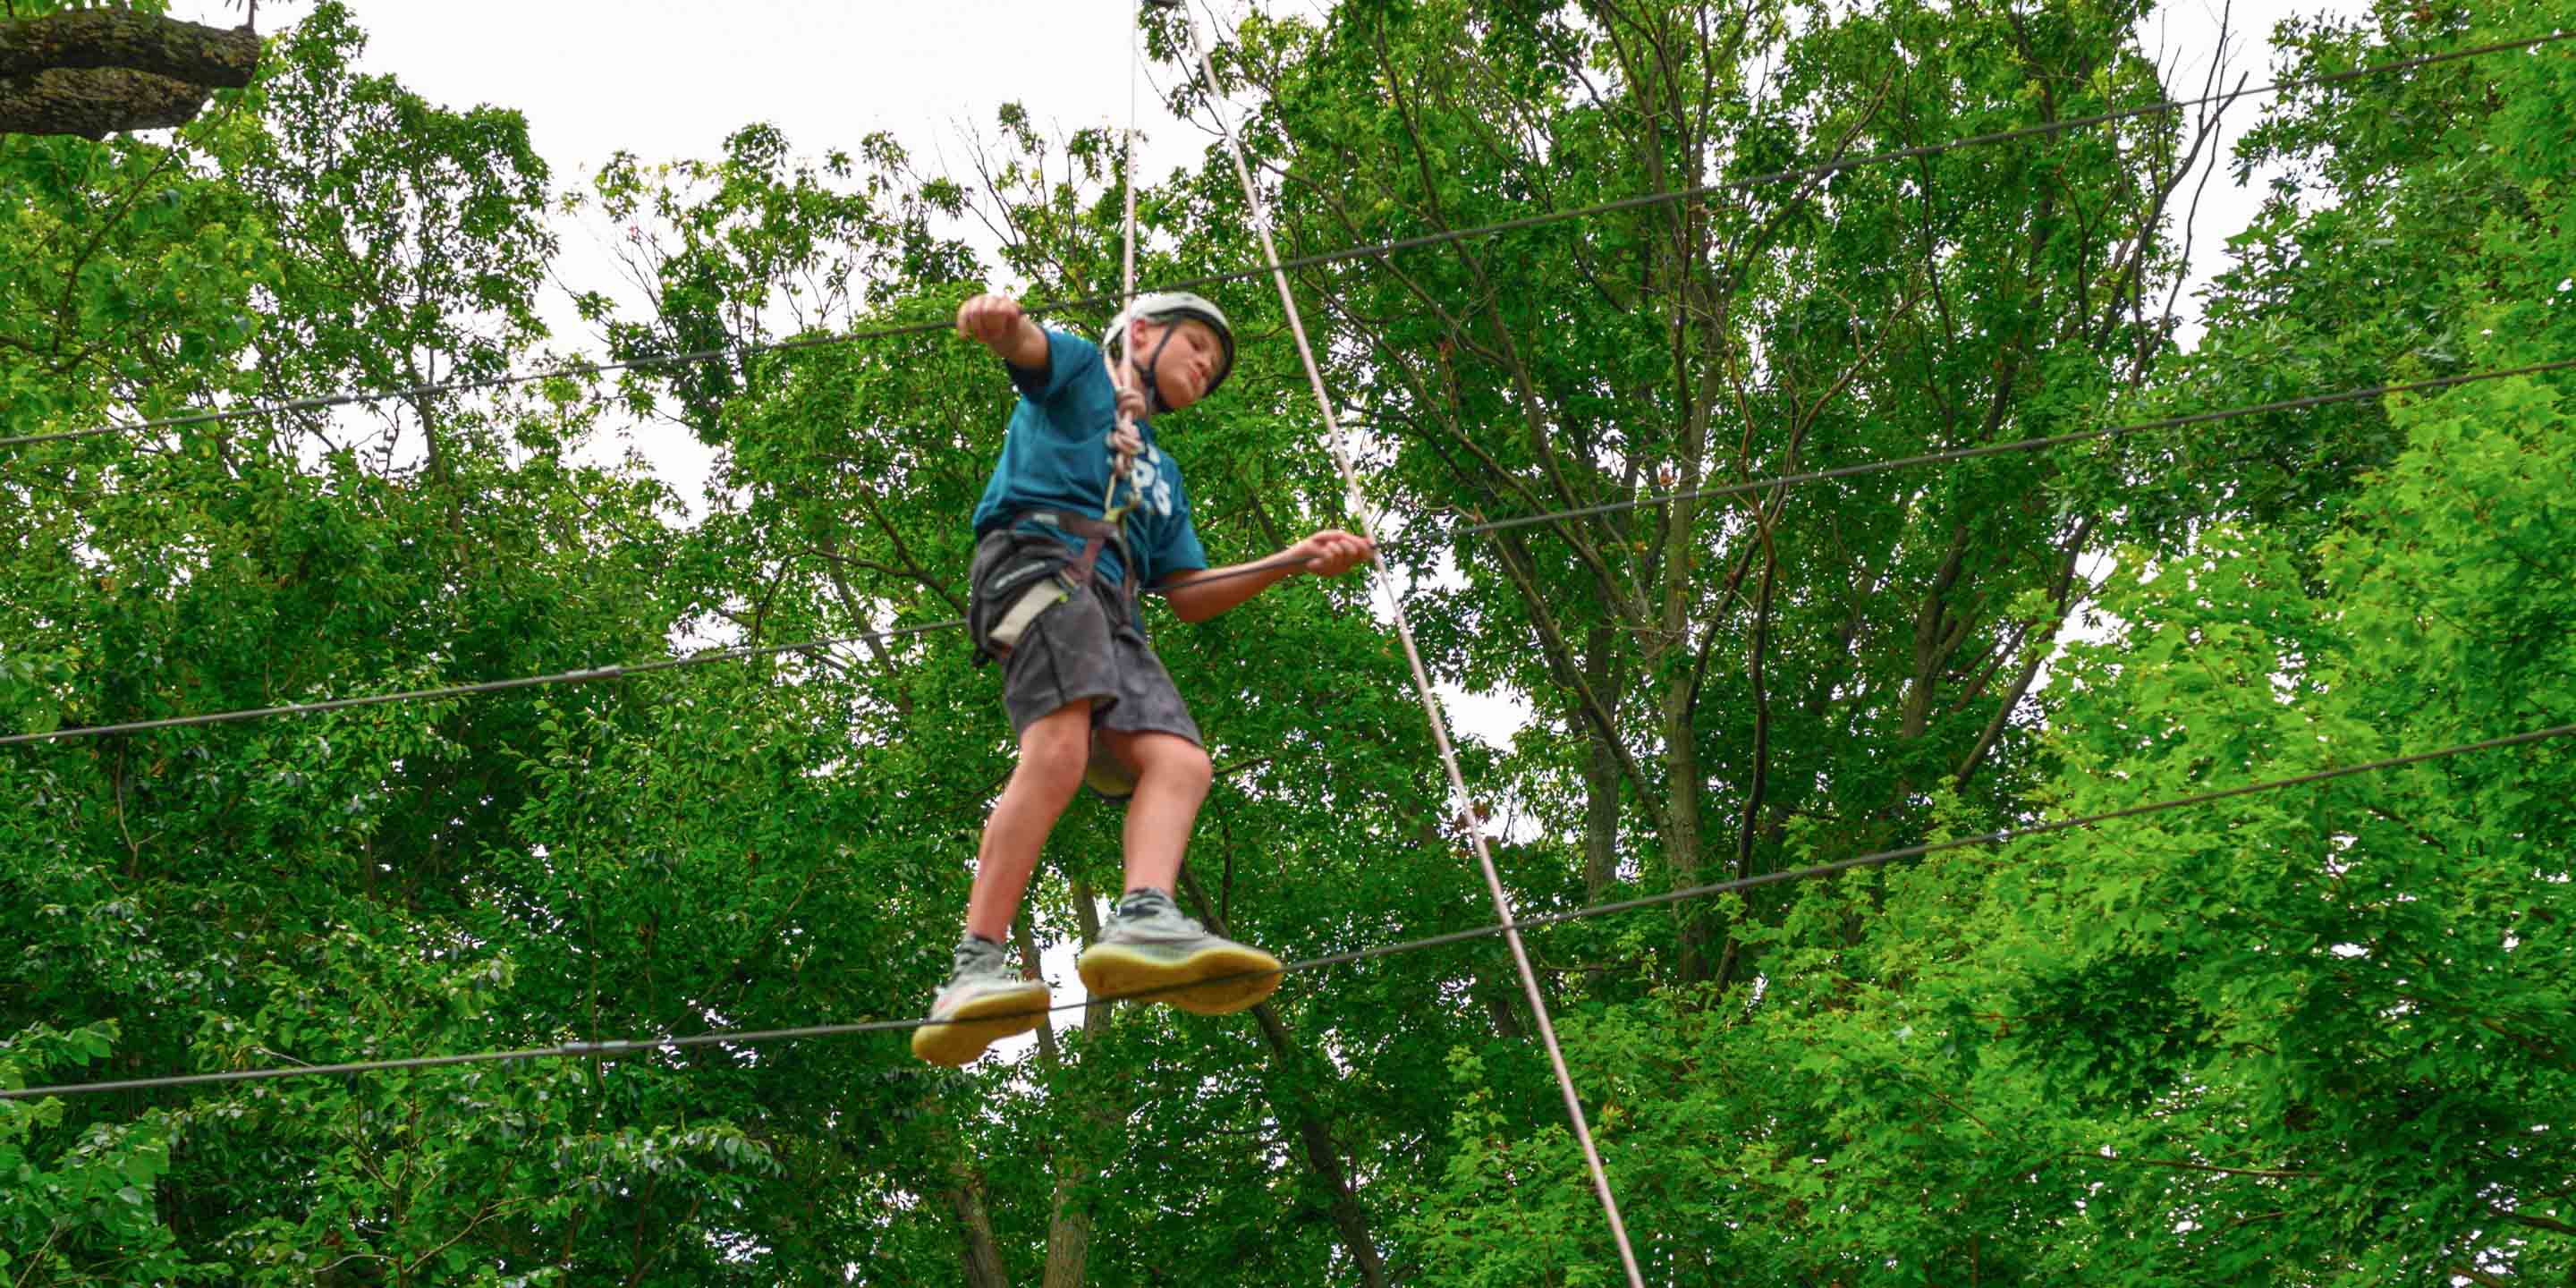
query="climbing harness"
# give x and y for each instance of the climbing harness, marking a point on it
(1067, 578)
(995, 641)
(1050, 579)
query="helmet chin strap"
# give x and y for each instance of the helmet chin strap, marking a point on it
(1149, 368)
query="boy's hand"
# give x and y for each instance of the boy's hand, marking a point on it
(1202, 593)
(1132, 403)
(991, 319)
(1332, 552)
(1124, 440)
(1000, 324)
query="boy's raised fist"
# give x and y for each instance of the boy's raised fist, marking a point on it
(989, 318)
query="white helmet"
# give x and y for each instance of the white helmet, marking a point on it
(1163, 306)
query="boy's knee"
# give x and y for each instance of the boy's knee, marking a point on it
(1181, 763)
(1057, 748)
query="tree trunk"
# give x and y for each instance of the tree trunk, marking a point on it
(1068, 1255)
(976, 1251)
(1312, 1137)
(1601, 776)
(1681, 834)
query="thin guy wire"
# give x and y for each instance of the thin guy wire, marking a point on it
(578, 676)
(2021, 445)
(1845, 471)
(1349, 957)
(1459, 795)
(1365, 251)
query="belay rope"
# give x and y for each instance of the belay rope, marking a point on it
(1109, 530)
(1121, 459)
(1421, 678)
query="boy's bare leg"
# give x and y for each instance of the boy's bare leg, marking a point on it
(1172, 777)
(1053, 752)
(985, 1000)
(1149, 946)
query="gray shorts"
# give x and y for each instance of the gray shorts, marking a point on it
(1082, 644)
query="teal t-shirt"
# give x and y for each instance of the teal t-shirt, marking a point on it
(1056, 457)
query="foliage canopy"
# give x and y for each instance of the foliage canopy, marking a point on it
(2305, 1039)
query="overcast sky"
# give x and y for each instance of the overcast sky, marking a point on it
(670, 80)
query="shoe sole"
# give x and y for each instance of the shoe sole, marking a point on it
(1117, 970)
(958, 1039)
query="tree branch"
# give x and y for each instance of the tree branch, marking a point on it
(94, 72)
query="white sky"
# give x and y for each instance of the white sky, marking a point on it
(670, 80)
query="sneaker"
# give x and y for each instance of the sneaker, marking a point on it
(985, 1001)
(1148, 945)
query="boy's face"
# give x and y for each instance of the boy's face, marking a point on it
(1189, 363)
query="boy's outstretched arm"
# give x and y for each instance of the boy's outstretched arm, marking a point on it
(1328, 553)
(997, 322)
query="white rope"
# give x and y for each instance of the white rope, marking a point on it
(1421, 678)
(1123, 460)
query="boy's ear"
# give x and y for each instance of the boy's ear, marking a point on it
(1141, 333)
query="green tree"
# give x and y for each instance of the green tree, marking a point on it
(1711, 672)
(2303, 1039)
(2310, 1038)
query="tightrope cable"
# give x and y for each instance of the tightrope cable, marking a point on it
(749, 1037)
(1366, 251)
(580, 675)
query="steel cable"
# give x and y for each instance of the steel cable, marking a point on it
(747, 1037)
(2016, 446)
(579, 675)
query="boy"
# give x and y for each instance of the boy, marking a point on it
(1054, 597)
